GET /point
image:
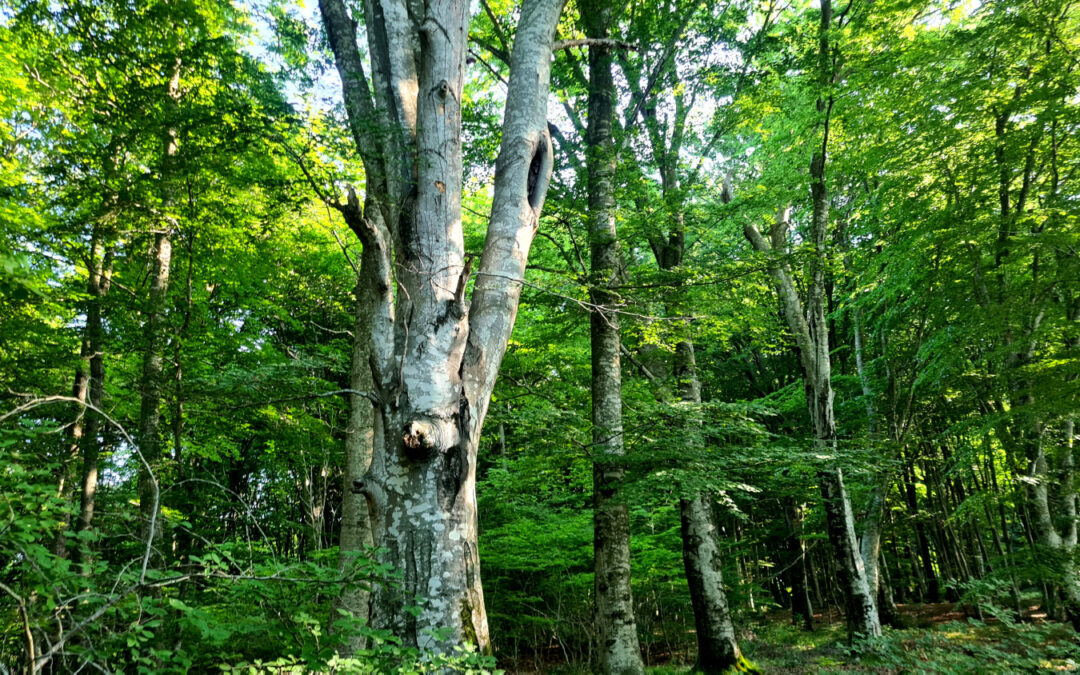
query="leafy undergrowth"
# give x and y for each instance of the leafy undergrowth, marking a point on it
(939, 639)
(942, 644)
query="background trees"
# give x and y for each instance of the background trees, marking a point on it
(323, 244)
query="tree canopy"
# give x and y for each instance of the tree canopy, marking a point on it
(400, 336)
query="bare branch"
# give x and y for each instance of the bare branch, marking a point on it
(499, 32)
(595, 42)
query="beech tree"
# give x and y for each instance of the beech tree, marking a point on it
(617, 638)
(187, 321)
(810, 328)
(434, 349)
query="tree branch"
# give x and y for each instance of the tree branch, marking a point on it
(594, 42)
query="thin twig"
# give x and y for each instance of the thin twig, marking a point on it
(30, 649)
(345, 251)
(134, 446)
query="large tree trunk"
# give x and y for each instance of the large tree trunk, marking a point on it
(434, 355)
(618, 649)
(149, 439)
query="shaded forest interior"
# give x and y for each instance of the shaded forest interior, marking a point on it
(617, 336)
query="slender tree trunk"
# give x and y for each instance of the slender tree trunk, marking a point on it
(870, 550)
(870, 544)
(356, 535)
(920, 532)
(149, 439)
(718, 650)
(802, 610)
(184, 495)
(65, 487)
(98, 283)
(812, 338)
(619, 649)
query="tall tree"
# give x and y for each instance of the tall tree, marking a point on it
(435, 353)
(154, 323)
(618, 648)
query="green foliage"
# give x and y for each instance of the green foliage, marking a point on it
(953, 155)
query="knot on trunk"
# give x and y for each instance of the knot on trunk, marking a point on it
(423, 438)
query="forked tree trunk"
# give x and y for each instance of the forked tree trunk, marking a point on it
(434, 355)
(812, 338)
(811, 332)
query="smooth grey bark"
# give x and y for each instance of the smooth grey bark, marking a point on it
(434, 354)
(618, 647)
(153, 326)
(870, 542)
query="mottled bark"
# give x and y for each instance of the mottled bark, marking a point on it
(1057, 542)
(434, 355)
(618, 648)
(718, 650)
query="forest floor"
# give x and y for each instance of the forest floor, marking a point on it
(937, 638)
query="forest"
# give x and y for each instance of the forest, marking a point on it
(539, 336)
